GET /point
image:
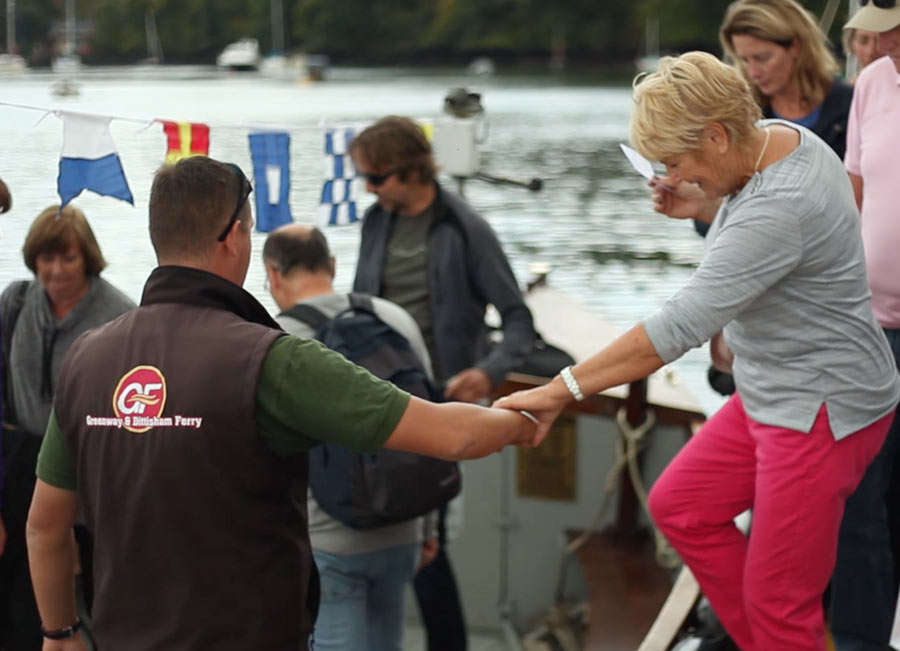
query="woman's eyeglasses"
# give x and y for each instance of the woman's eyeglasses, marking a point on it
(244, 190)
(881, 4)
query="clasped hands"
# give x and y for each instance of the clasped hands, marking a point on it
(545, 403)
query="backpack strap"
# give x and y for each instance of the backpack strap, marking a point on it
(9, 318)
(361, 302)
(311, 316)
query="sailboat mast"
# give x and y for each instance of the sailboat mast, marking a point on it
(154, 46)
(652, 36)
(70, 27)
(277, 26)
(11, 27)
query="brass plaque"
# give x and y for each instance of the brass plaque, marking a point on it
(548, 471)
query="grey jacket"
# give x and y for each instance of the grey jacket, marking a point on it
(467, 270)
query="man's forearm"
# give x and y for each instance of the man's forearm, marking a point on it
(456, 430)
(480, 434)
(51, 556)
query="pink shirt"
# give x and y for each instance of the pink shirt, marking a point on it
(873, 152)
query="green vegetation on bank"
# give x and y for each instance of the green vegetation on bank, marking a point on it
(379, 31)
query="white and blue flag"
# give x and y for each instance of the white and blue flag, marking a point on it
(89, 159)
(343, 186)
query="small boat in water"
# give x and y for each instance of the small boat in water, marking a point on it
(12, 64)
(240, 55)
(65, 87)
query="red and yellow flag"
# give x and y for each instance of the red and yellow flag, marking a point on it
(185, 139)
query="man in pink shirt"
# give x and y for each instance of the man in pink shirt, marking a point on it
(863, 585)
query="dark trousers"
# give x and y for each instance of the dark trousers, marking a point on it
(863, 586)
(438, 598)
(19, 620)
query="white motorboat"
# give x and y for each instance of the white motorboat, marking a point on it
(240, 55)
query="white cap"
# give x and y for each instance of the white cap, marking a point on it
(875, 19)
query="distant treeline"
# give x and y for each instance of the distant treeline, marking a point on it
(588, 32)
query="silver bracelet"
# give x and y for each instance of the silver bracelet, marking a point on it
(571, 383)
(530, 416)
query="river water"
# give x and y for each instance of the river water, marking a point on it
(592, 222)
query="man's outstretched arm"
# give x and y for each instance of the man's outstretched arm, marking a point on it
(456, 430)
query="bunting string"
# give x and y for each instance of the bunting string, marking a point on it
(89, 160)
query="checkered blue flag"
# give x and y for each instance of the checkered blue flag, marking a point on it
(343, 186)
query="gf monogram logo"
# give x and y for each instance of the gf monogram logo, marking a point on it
(141, 392)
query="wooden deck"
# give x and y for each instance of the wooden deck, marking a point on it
(626, 589)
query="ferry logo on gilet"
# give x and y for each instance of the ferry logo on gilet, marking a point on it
(140, 397)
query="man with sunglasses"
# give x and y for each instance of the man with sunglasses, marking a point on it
(864, 584)
(182, 430)
(429, 252)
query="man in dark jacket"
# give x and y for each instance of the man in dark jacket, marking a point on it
(181, 429)
(428, 251)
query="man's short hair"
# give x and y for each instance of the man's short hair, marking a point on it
(396, 143)
(55, 230)
(287, 250)
(190, 204)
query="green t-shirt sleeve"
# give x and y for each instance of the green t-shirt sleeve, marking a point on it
(54, 465)
(308, 394)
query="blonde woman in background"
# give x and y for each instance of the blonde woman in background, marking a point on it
(780, 50)
(862, 44)
(781, 293)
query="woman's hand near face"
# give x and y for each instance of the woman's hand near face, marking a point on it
(684, 201)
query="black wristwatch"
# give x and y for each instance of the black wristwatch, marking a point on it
(61, 633)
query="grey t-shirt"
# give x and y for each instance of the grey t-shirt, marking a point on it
(405, 279)
(784, 274)
(329, 534)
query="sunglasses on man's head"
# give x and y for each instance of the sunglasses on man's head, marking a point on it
(379, 179)
(244, 190)
(881, 4)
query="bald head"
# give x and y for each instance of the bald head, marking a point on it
(297, 247)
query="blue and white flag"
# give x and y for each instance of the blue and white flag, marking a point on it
(271, 154)
(343, 186)
(89, 159)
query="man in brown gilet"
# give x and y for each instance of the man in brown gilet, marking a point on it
(181, 430)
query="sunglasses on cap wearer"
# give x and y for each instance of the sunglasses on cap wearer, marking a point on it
(881, 4)
(244, 190)
(379, 179)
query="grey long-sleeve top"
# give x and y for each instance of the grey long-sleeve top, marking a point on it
(785, 276)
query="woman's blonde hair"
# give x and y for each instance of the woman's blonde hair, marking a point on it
(783, 22)
(673, 105)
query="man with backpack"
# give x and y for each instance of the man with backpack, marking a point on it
(364, 571)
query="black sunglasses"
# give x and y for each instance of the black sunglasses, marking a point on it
(379, 179)
(244, 190)
(881, 4)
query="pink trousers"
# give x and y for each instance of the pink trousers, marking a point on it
(767, 587)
